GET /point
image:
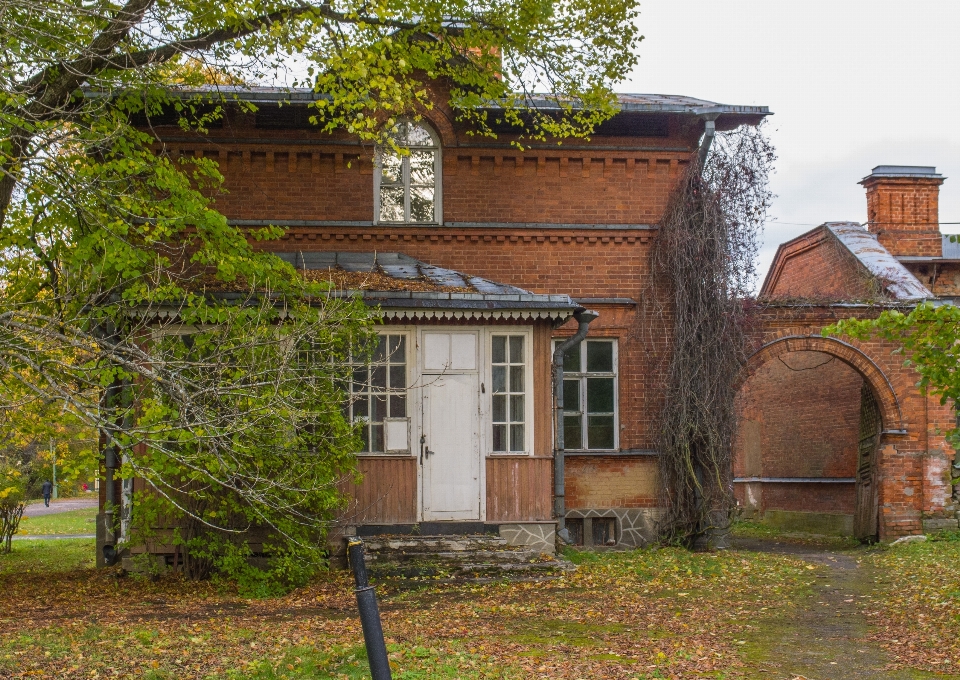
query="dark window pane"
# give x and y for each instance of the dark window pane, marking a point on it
(599, 395)
(516, 349)
(572, 432)
(360, 407)
(380, 355)
(398, 406)
(398, 377)
(516, 378)
(499, 379)
(499, 437)
(499, 349)
(378, 377)
(516, 438)
(499, 408)
(571, 395)
(378, 408)
(516, 408)
(365, 438)
(571, 360)
(600, 357)
(600, 432)
(360, 379)
(398, 349)
(376, 436)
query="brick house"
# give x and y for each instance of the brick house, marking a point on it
(480, 257)
(834, 434)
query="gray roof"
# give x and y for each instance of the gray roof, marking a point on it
(650, 103)
(896, 279)
(481, 293)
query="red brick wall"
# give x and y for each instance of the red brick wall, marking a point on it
(904, 213)
(611, 482)
(942, 278)
(816, 266)
(801, 414)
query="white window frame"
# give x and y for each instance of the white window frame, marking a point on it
(437, 175)
(582, 376)
(410, 359)
(528, 402)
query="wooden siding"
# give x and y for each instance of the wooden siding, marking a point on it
(519, 489)
(387, 494)
(542, 390)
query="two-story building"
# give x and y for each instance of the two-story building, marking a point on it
(480, 255)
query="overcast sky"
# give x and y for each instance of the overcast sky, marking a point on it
(852, 83)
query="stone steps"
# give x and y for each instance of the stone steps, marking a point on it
(457, 558)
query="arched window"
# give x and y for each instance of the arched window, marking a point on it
(407, 187)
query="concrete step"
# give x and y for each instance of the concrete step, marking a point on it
(457, 558)
(433, 544)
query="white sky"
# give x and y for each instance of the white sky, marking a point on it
(852, 83)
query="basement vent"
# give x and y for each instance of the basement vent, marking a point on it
(604, 531)
(575, 527)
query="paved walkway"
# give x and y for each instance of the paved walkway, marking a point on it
(37, 508)
(54, 537)
(826, 638)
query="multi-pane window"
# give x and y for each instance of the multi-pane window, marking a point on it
(589, 396)
(407, 188)
(509, 402)
(379, 390)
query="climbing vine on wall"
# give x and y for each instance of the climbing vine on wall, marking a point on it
(705, 260)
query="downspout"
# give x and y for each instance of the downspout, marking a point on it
(583, 318)
(709, 132)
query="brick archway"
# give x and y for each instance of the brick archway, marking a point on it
(890, 411)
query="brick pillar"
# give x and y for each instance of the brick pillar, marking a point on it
(902, 209)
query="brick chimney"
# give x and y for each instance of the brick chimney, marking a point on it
(902, 209)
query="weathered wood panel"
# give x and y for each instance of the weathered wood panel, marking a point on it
(542, 390)
(519, 489)
(387, 494)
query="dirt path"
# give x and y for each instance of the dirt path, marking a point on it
(826, 639)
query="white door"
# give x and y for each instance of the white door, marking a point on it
(451, 438)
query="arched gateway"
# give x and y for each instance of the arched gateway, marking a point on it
(814, 411)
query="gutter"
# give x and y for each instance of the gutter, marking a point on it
(583, 317)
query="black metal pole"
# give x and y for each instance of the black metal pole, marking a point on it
(369, 614)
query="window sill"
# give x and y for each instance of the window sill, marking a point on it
(381, 456)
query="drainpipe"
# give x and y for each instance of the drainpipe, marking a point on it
(709, 132)
(583, 318)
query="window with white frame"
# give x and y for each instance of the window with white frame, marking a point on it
(378, 391)
(590, 396)
(407, 186)
(508, 374)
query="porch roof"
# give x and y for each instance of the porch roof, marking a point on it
(395, 281)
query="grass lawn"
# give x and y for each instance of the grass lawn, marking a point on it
(81, 521)
(919, 587)
(641, 614)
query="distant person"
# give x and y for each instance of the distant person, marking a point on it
(46, 489)
(85, 488)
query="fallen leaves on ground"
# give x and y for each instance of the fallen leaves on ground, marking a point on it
(643, 614)
(915, 607)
